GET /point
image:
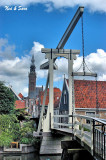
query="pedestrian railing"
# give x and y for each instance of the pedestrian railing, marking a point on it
(89, 130)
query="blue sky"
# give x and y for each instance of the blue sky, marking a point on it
(23, 33)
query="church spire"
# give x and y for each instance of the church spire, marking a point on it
(32, 67)
(32, 79)
(33, 60)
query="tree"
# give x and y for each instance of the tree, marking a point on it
(6, 99)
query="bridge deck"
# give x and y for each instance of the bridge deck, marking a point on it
(64, 131)
(86, 142)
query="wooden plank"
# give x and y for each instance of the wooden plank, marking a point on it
(60, 51)
(62, 124)
(63, 130)
(61, 116)
(84, 117)
(77, 122)
(87, 135)
(70, 27)
(87, 126)
(84, 74)
(46, 66)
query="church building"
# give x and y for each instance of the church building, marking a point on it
(33, 91)
(32, 80)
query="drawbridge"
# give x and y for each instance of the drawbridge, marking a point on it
(90, 136)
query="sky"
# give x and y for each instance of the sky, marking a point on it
(27, 26)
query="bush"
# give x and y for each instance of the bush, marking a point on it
(5, 139)
(27, 133)
(25, 140)
(9, 129)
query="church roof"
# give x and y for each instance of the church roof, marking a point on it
(57, 95)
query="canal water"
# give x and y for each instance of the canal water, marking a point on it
(33, 156)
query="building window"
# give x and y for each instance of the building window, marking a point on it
(65, 98)
(90, 114)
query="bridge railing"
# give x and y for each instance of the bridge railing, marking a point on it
(89, 130)
(93, 134)
(61, 121)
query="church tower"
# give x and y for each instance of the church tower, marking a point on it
(32, 79)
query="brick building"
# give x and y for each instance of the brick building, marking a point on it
(90, 97)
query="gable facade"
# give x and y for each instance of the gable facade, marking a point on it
(90, 97)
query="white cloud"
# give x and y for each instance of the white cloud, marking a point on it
(92, 5)
(15, 71)
(25, 91)
(96, 63)
(6, 51)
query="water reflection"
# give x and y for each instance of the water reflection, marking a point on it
(29, 157)
(75, 156)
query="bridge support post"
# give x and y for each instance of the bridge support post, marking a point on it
(70, 70)
(82, 131)
(91, 125)
(51, 56)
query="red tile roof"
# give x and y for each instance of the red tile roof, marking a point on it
(20, 104)
(85, 93)
(57, 95)
(20, 95)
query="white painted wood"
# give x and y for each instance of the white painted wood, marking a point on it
(43, 105)
(63, 124)
(87, 126)
(51, 94)
(46, 122)
(78, 123)
(70, 27)
(61, 116)
(91, 131)
(75, 126)
(84, 74)
(82, 131)
(70, 70)
(60, 52)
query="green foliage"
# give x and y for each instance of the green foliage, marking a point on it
(5, 139)
(27, 133)
(21, 113)
(25, 140)
(9, 129)
(6, 100)
(28, 128)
